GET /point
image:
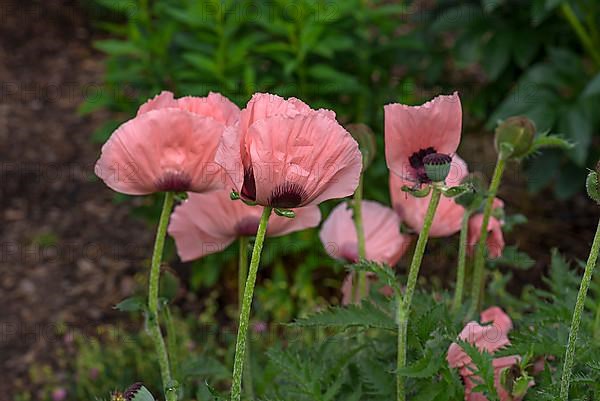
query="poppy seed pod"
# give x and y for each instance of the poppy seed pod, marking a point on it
(518, 132)
(437, 166)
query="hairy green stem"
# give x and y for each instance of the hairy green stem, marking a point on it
(462, 261)
(242, 276)
(577, 312)
(582, 34)
(153, 323)
(361, 283)
(240, 345)
(404, 304)
(479, 261)
(172, 343)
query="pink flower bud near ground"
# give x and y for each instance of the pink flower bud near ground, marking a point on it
(285, 154)
(413, 132)
(169, 146)
(495, 240)
(489, 338)
(208, 223)
(412, 210)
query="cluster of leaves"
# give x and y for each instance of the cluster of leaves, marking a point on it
(349, 353)
(538, 59)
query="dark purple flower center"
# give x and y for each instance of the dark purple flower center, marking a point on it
(416, 162)
(174, 181)
(249, 185)
(247, 227)
(287, 195)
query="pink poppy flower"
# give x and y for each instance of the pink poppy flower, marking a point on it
(489, 338)
(208, 223)
(412, 210)
(214, 105)
(495, 240)
(285, 154)
(169, 146)
(383, 241)
(413, 132)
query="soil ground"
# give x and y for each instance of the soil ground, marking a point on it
(68, 252)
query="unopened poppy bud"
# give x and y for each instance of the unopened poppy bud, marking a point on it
(437, 166)
(593, 186)
(518, 132)
(366, 141)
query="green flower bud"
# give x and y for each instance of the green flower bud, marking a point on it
(437, 166)
(518, 132)
(233, 195)
(366, 142)
(593, 186)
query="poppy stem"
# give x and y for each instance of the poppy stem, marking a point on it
(404, 304)
(240, 345)
(242, 276)
(169, 386)
(577, 312)
(361, 284)
(479, 261)
(462, 261)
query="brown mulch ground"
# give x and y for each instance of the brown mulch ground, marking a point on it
(67, 251)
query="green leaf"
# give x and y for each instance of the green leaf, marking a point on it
(364, 315)
(330, 76)
(202, 62)
(384, 273)
(577, 125)
(593, 87)
(497, 54)
(132, 304)
(511, 256)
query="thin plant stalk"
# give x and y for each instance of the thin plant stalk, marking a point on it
(479, 260)
(153, 323)
(242, 276)
(240, 345)
(171, 343)
(404, 304)
(576, 320)
(361, 282)
(462, 262)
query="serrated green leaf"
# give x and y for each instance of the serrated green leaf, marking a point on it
(512, 257)
(364, 315)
